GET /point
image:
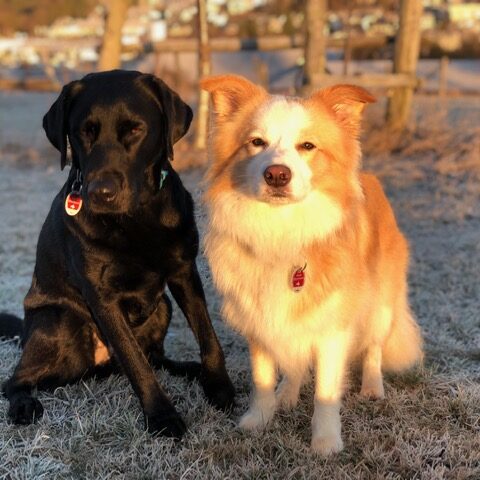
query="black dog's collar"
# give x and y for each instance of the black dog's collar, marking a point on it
(163, 176)
(78, 182)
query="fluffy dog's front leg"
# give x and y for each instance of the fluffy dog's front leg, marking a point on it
(262, 404)
(331, 357)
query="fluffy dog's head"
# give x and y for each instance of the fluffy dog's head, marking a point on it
(288, 157)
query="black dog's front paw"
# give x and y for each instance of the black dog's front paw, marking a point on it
(219, 390)
(168, 424)
(25, 410)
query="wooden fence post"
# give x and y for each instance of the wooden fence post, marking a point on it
(204, 69)
(262, 71)
(112, 38)
(407, 49)
(315, 44)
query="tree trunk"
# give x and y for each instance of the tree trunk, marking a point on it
(315, 44)
(112, 37)
(407, 48)
(204, 69)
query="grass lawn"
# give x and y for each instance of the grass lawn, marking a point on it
(428, 426)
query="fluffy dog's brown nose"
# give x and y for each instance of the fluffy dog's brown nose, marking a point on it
(103, 189)
(277, 175)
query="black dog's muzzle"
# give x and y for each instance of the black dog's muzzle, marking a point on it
(105, 192)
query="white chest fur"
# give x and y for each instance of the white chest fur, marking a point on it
(259, 303)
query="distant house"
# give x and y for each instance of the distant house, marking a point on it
(68, 27)
(238, 7)
(464, 14)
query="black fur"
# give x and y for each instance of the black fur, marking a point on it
(102, 273)
(10, 326)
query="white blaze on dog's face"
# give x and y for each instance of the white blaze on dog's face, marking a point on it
(279, 143)
(292, 162)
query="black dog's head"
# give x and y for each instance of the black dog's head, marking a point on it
(121, 126)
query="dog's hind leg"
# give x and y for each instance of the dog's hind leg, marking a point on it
(380, 321)
(288, 390)
(372, 380)
(56, 352)
(190, 370)
(151, 336)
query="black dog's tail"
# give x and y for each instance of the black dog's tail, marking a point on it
(10, 326)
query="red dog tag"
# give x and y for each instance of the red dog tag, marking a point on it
(73, 203)
(297, 280)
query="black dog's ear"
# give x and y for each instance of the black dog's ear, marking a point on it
(55, 121)
(178, 115)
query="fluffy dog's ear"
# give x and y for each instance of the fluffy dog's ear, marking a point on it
(178, 115)
(346, 101)
(55, 121)
(229, 92)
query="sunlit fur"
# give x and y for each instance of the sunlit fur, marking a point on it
(330, 217)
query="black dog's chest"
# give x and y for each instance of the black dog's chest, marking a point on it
(133, 285)
(129, 258)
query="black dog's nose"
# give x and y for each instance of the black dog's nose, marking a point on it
(103, 189)
(277, 175)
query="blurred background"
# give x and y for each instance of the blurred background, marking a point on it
(396, 48)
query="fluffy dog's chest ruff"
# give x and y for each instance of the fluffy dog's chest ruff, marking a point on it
(260, 303)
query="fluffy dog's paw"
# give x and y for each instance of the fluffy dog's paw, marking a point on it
(372, 385)
(327, 445)
(25, 410)
(219, 391)
(373, 392)
(168, 424)
(254, 419)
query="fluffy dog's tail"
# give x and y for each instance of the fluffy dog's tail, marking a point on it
(10, 326)
(403, 347)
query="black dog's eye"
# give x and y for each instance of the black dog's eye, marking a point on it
(133, 128)
(258, 142)
(307, 146)
(90, 130)
(129, 130)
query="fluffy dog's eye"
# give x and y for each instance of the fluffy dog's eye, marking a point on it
(307, 146)
(258, 142)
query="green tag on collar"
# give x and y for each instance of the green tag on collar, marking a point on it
(163, 176)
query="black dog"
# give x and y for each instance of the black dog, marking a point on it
(97, 299)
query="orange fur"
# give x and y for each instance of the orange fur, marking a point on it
(101, 354)
(332, 218)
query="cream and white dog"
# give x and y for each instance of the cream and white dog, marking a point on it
(304, 248)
